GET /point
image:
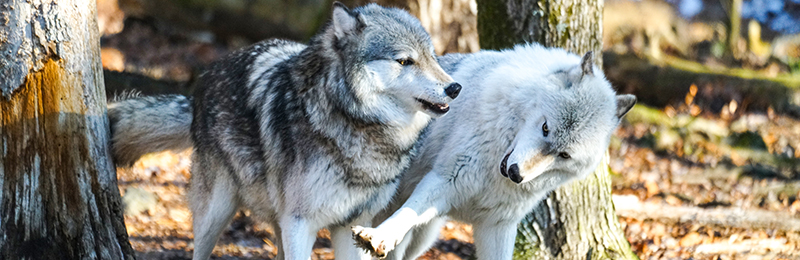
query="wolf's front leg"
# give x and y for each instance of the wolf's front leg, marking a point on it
(495, 241)
(343, 246)
(297, 237)
(429, 200)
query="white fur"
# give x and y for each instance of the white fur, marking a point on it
(507, 96)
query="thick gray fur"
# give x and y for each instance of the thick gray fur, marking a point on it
(305, 136)
(529, 120)
(141, 125)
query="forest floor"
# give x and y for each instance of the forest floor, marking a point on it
(689, 183)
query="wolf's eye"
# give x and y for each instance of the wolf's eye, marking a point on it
(545, 130)
(405, 62)
(564, 155)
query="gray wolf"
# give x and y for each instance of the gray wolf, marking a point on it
(528, 120)
(304, 136)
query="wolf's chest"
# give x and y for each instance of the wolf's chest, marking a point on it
(495, 204)
(344, 204)
(371, 164)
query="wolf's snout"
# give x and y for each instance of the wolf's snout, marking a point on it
(453, 90)
(513, 173)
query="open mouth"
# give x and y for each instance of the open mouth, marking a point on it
(503, 164)
(435, 108)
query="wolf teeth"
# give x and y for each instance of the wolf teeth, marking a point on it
(437, 108)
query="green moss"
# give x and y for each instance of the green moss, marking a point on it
(788, 80)
(647, 115)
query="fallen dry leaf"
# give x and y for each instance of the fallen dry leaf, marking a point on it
(691, 239)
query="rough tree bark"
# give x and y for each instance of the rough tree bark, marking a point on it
(59, 197)
(578, 218)
(574, 25)
(451, 23)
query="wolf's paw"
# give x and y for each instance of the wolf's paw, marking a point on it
(373, 241)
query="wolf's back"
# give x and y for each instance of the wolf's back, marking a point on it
(144, 125)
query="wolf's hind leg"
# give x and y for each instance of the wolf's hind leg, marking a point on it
(429, 200)
(213, 205)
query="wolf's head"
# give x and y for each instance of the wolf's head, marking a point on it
(389, 62)
(565, 134)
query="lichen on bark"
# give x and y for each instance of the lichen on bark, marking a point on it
(31, 33)
(574, 25)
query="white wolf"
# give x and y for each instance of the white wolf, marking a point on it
(528, 120)
(305, 136)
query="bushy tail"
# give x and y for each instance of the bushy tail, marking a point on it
(142, 125)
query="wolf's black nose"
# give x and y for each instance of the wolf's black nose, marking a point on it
(453, 90)
(513, 173)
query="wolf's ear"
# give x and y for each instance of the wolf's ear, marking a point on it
(345, 21)
(624, 104)
(587, 62)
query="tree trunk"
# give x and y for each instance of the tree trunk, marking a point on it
(59, 192)
(574, 25)
(575, 221)
(735, 27)
(579, 219)
(451, 23)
